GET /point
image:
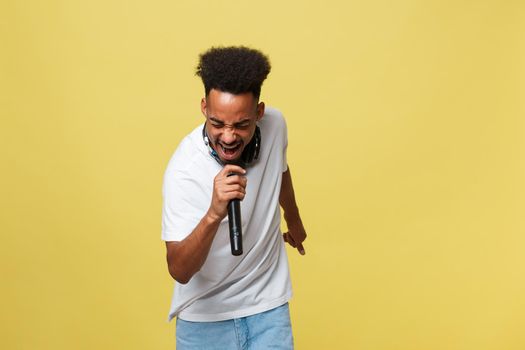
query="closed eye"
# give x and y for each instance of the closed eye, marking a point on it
(243, 125)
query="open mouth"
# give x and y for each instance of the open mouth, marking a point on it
(230, 151)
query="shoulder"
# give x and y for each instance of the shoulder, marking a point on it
(273, 114)
(189, 150)
(273, 119)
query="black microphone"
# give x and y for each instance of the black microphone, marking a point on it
(234, 220)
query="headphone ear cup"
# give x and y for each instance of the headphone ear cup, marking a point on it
(257, 143)
(210, 149)
(247, 155)
(251, 152)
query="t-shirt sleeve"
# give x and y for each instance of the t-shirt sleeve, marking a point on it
(180, 195)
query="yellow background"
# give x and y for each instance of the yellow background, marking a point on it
(407, 145)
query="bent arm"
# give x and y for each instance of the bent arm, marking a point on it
(185, 258)
(296, 233)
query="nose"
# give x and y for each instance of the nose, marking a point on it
(229, 136)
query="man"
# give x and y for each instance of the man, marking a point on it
(223, 301)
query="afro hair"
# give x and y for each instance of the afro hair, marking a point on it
(234, 69)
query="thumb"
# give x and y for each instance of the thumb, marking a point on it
(289, 239)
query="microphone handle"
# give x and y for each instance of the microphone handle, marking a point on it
(234, 219)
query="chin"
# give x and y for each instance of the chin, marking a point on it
(236, 161)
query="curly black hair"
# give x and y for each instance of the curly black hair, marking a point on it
(233, 69)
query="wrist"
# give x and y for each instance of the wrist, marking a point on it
(293, 220)
(212, 218)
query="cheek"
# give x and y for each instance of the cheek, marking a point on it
(248, 135)
(213, 136)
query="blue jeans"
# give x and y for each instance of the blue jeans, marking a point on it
(268, 330)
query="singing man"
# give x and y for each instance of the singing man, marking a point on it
(223, 301)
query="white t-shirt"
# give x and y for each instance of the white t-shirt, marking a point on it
(230, 286)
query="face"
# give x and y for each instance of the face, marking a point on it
(230, 122)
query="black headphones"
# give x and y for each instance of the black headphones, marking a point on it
(249, 154)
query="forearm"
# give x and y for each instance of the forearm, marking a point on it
(186, 257)
(287, 201)
(296, 233)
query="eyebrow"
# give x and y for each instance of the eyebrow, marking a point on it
(215, 120)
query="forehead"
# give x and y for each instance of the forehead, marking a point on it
(231, 108)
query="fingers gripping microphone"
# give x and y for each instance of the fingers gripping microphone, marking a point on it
(235, 223)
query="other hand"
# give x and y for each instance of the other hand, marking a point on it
(295, 237)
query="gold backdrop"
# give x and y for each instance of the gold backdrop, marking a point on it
(406, 141)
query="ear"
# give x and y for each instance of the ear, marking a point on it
(203, 106)
(260, 110)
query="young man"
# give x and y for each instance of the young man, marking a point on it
(223, 301)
